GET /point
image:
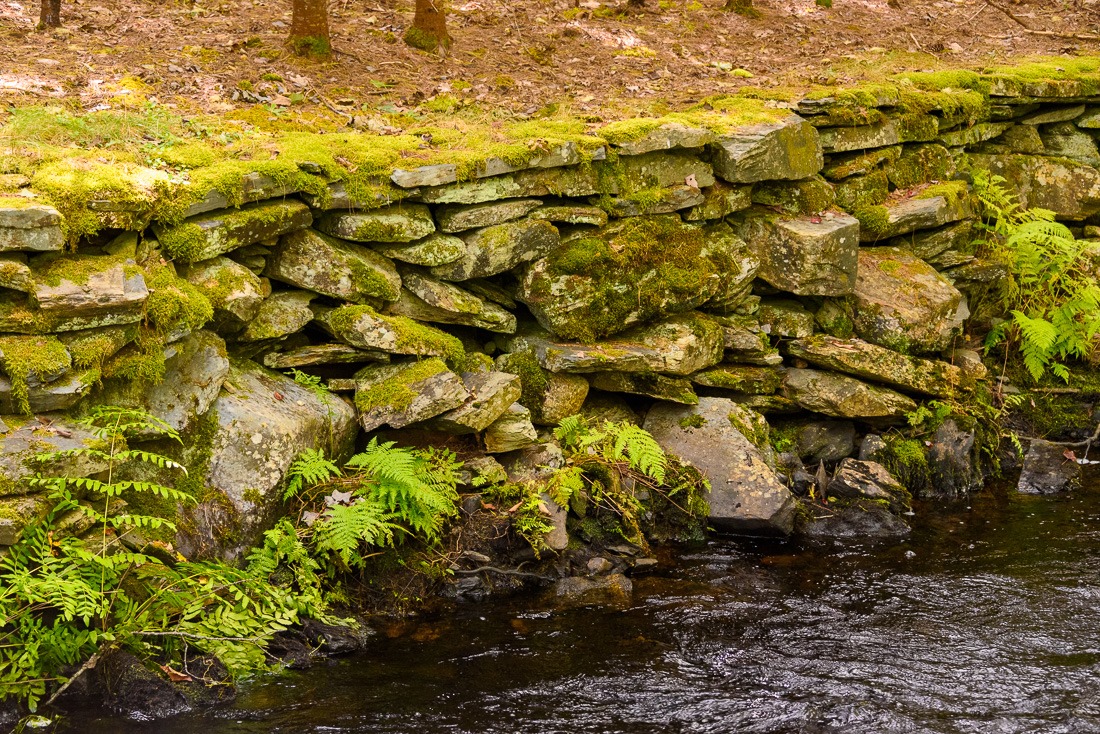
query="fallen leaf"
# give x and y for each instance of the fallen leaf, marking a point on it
(175, 676)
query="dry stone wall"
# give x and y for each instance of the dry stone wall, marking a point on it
(815, 268)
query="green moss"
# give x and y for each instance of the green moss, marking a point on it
(533, 380)
(91, 348)
(784, 438)
(873, 219)
(735, 112)
(862, 192)
(174, 304)
(920, 164)
(412, 336)
(955, 192)
(808, 196)
(841, 167)
(186, 241)
(53, 268)
(906, 460)
(396, 393)
(141, 363)
(693, 421)
(425, 41)
(24, 357)
(475, 362)
(751, 426)
(315, 46)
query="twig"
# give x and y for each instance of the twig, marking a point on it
(88, 665)
(1087, 443)
(919, 47)
(1055, 34)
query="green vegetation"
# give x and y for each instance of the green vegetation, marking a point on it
(25, 357)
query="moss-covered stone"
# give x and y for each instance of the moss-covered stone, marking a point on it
(398, 223)
(322, 264)
(363, 327)
(209, 235)
(809, 196)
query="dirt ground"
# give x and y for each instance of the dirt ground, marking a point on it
(214, 56)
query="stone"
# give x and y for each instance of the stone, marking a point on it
(235, 292)
(27, 226)
(19, 447)
(322, 264)
(567, 212)
(428, 299)
(502, 247)
(746, 496)
(397, 223)
(953, 461)
(280, 315)
(437, 175)
(922, 212)
(840, 167)
(1090, 120)
(1050, 114)
(600, 407)
(920, 164)
(840, 396)
(673, 389)
(15, 274)
(857, 192)
(855, 479)
(195, 368)
(781, 317)
(678, 345)
(606, 280)
(819, 440)
(893, 130)
(60, 394)
(969, 361)
(376, 193)
(808, 196)
(1066, 141)
(254, 186)
(398, 395)
(75, 288)
(483, 471)
(551, 397)
(654, 201)
(666, 136)
(1018, 139)
(748, 379)
(1046, 470)
(259, 427)
(862, 359)
(928, 244)
(807, 256)
(902, 303)
(16, 513)
(435, 249)
(974, 134)
(1069, 189)
(209, 235)
(719, 201)
(856, 520)
(458, 218)
(322, 354)
(787, 149)
(490, 395)
(558, 538)
(511, 431)
(745, 341)
(578, 590)
(535, 463)
(365, 328)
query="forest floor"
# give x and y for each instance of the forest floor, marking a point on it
(589, 56)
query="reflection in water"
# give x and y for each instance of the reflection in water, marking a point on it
(985, 620)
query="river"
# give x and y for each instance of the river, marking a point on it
(987, 619)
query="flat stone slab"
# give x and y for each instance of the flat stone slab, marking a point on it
(398, 395)
(678, 345)
(741, 378)
(569, 213)
(435, 249)
(746, 496)
(322, 354)
(891, 131)
(281, 314)
(60, 394)
(919, 213)
(807, 256)
(27, 226)
(491, 394)
(208, 235)
(862, 359)
(397, 223)
(787, 149)
(53, 432)
(428, 299)
(667, 136)
(365, 328)
(841, 396)
(254, 186)
(322, 264)
(659, 201)
(499, 248)
(1053, 114)
(458, 218)
(672, 389)
(114, 291)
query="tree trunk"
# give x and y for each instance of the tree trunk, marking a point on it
(309, 28)
(741, 7)
(429, 28)
(50, 14)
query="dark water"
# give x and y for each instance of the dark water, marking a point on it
(985, 620)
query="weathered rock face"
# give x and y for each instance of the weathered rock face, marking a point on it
(745, 496)
(862, 359)
(210, 235)
(843, 397)
(815, 441)
(397, 223)
(97, 291)
(257, 431)
(634, 271)
(672, 389)
(400, 394)
(856, 479)
(322, 264)
(808, 256)
(1047, 470)
(787, 149)
(234, 291)
(460, 218)
(280, 315)
(502, 247)
(511, 431)
(25, 226)
(365, 328)
(902, 303)
(435, 249)
(490, 395)
(428, 299)
(1068, 188)
(953, 461)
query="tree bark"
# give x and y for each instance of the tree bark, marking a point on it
(429, 28)
(309, 28)
(50, 14)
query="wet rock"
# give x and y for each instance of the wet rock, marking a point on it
(428, 299)
(598, 566)
(281, 314)
(678, 345)
(136, 692)
(397, 223)
(787, 149)
(495, 249)
(862, 359)
(673, 389)
(435, 249)
(235, 292)
(611, 589)
(1046, 470)
(808, 256)
(843, 397)
(400, 394)
(511, 431)
(603, 282)
(558, 538)
(332, 639)
(458, 218)
(29, 227)
(490, 395)
(209, 235)
(322, 264)
(856, 479)
(853, 521)
(815, 441)
(746, 496)
(903, 304)
(953, 461)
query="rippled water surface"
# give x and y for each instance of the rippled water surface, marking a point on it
(985, 620)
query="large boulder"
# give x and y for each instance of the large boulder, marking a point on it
(902, 303)
(746, 496)
(808, 256)
(322, 264)
(633, 271)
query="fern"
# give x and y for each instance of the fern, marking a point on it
(310, 468)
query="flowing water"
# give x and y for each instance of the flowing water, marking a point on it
(985, 620)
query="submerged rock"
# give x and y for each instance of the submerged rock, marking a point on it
(746, 496)
(1047, 470)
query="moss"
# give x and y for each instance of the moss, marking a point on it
(396, 393)
(174, 304)
(808, 196)
(475, 362)
(692, 421)
(533, 380)
(784, 438)
(736, 112)
(906, 460)
(425, 41)
(91, 348)
(186, 241)
(920, 164)
(141, 363)
(751, 426)
(841, 167)
(315, 46)
(53, 268)
(862, 192)
(26, 357)
(412, 337)
(874, 220)
(955, 192)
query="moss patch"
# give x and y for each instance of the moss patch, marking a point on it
(24, 357)
(396, 392)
